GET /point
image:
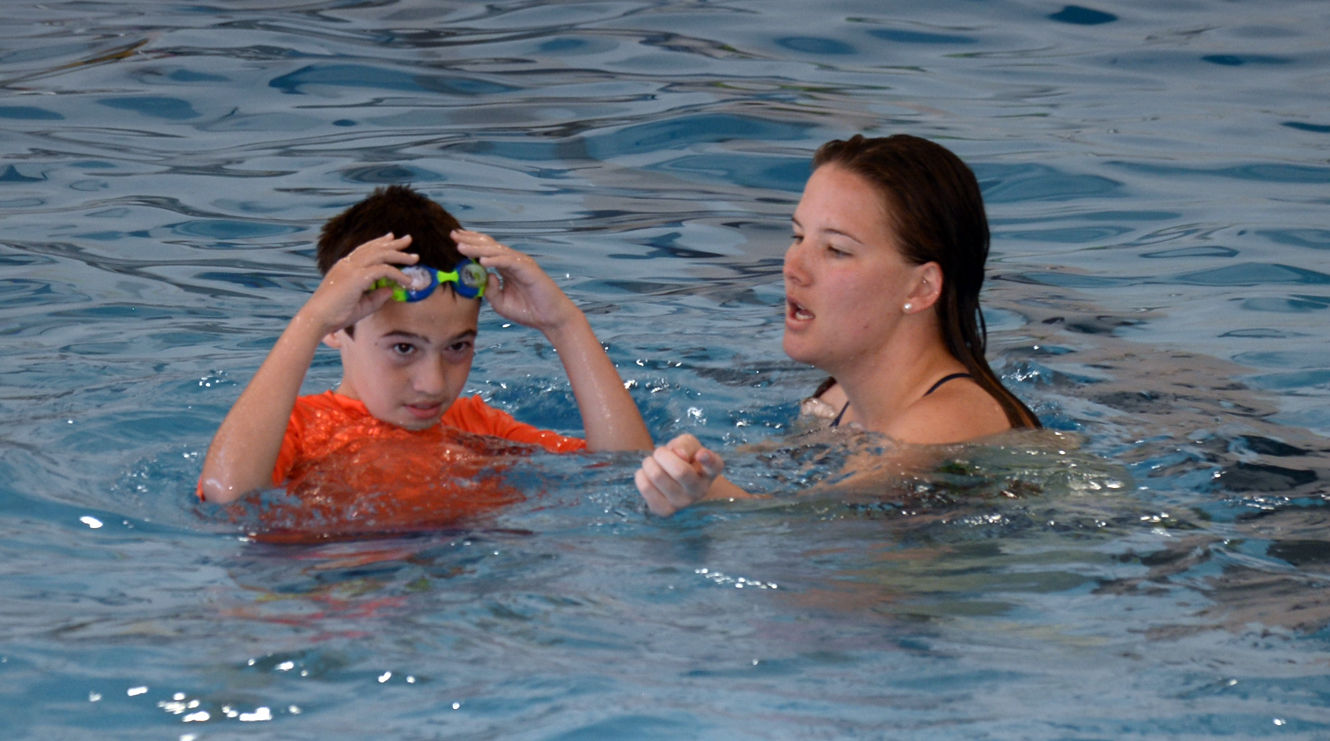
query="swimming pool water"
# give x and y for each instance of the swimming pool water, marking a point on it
(1153, 566)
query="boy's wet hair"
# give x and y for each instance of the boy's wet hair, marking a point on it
(397, 209)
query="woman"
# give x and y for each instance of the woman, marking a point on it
(882, 292)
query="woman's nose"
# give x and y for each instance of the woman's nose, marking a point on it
(795, 269)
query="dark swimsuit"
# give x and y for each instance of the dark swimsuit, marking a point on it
(836, 422)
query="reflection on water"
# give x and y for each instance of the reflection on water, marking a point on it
(1152, 564)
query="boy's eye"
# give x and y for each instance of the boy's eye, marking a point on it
(404, 348)
(460, 347)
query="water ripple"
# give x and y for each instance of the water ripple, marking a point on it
(1155, 179)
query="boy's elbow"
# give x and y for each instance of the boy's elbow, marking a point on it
(215, 491)
(222, 488)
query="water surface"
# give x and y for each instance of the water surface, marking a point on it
(1155, 565)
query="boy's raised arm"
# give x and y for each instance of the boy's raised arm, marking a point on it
(528, 296)
(244, 450)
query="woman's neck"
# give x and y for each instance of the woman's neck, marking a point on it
(880, 388)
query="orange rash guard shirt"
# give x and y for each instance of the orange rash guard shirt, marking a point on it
(324, 423)
(337, 434)
(352, 474)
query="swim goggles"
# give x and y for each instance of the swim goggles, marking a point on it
(468, 279)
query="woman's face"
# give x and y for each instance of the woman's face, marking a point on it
(845, 278)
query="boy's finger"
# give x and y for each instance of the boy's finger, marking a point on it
(383, 249)
(388, 272)
(386, 240)
(474, 240)
(394, 251)
(377, 297)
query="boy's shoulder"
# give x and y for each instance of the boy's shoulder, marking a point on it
(472, 414)
(328, 406)
(328, 400)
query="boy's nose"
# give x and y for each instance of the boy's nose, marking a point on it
(432, 376)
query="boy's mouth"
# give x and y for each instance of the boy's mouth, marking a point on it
(424, 411)
(797, 312)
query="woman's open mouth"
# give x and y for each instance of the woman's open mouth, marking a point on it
(797, 312)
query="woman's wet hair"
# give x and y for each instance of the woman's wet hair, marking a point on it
(934, 205)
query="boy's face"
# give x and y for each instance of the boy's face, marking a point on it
(409, 361)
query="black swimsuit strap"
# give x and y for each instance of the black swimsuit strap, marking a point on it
(836, 422)
(944, 379)
(951, 377)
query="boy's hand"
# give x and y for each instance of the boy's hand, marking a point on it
(345, 296)
(525, 294)
(677, 475)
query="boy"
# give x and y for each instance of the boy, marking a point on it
(404, 362)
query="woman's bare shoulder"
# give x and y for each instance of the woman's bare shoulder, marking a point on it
(957, 412)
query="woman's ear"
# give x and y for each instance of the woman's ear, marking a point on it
(927, 286)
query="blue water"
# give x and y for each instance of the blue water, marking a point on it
(1155, 566)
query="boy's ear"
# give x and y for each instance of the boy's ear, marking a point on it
(928, 285)
(335, 339)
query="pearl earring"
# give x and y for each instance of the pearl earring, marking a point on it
(907, 307)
